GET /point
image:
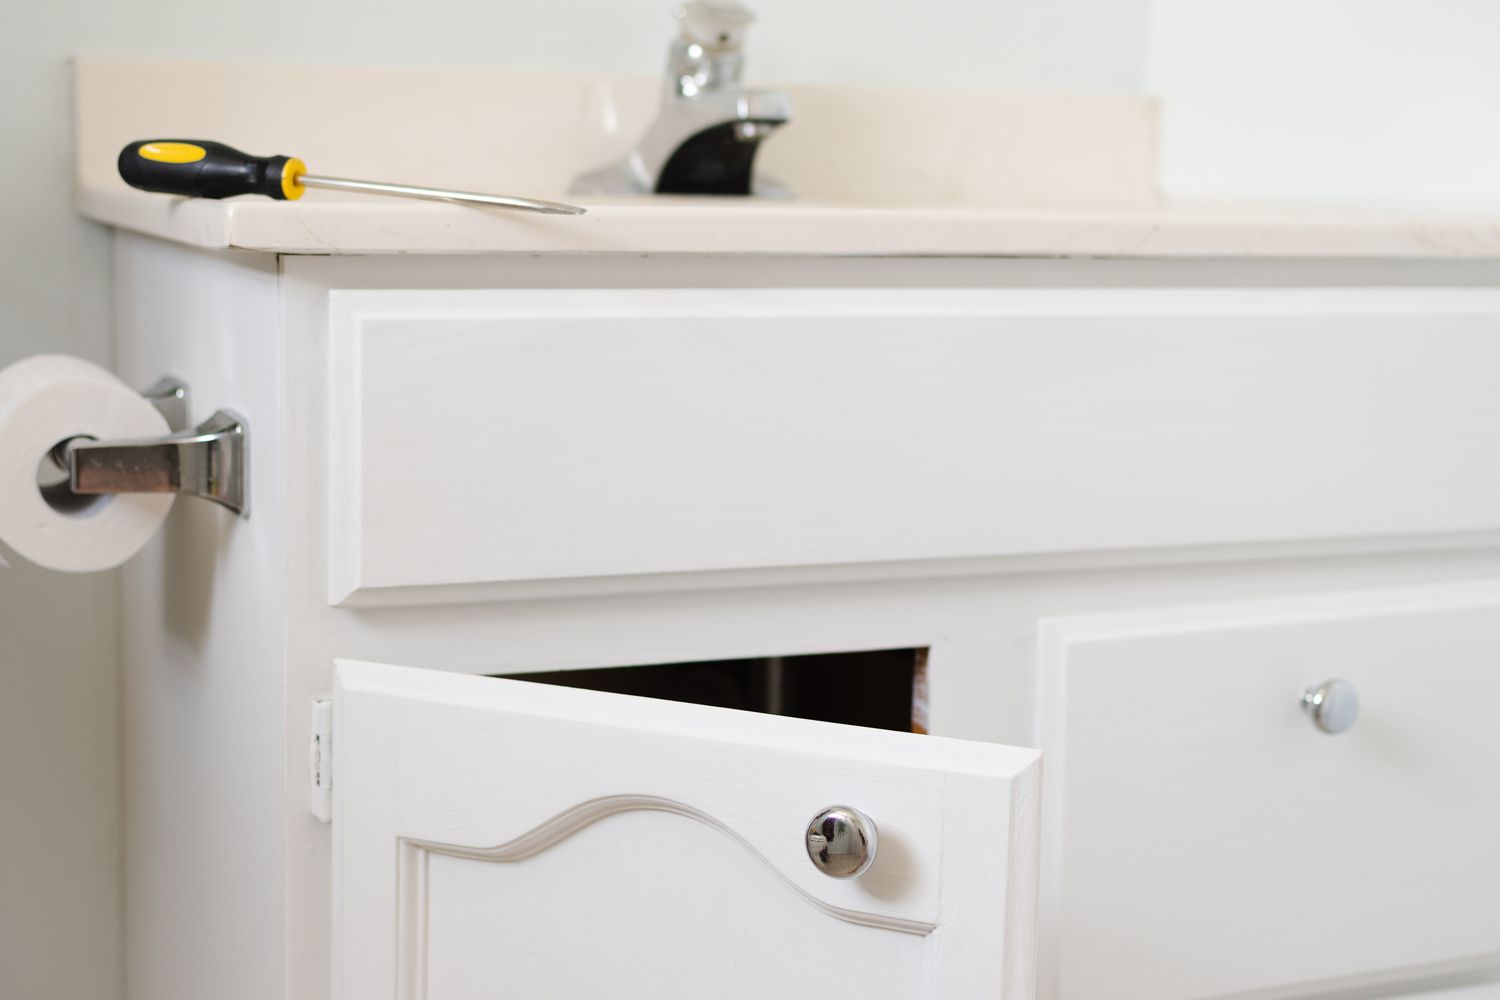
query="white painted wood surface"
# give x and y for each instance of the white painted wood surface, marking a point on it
(470, 811)
(493, 437)
(1203, 839)
(228, 667)
(204, 648)
(1476, 991)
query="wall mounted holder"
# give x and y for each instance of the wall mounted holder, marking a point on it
(208, 461)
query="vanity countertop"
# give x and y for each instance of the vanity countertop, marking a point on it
(878, 172)
(710, 226)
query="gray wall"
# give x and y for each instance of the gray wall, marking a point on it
(60, 807)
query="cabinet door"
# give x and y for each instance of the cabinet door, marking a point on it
(498, 838)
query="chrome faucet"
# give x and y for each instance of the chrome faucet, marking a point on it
(705, 139)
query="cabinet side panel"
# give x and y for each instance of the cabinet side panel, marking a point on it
(202, 646)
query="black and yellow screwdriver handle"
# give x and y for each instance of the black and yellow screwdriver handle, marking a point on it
(198, 168)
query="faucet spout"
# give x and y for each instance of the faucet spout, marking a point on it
(718, 160)
(710, 128)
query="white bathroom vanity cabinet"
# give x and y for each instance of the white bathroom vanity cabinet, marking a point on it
(1092, 501)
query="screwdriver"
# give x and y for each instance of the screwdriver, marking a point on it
(199, 168)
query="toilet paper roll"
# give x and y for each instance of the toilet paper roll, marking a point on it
(50, 398)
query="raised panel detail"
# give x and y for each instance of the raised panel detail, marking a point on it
(483, 439)
(610, 888)
(573, 822)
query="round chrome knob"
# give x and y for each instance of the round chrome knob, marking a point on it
(1333, 705)
(841, 841)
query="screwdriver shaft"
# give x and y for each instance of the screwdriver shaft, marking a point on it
(437, 194)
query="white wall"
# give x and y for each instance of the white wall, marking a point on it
(60, 808)
(1384, 105)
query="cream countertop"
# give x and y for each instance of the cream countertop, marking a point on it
(708, 226)
(877, 172)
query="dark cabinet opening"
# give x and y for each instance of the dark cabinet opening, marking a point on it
(879, 689)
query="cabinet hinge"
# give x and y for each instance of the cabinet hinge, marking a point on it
(320, 760)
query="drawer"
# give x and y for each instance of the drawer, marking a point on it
(1203, 838)
(481, 438)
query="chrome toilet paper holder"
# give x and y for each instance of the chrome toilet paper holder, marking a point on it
(208, 461)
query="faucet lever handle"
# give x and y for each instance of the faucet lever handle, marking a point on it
(716, 25)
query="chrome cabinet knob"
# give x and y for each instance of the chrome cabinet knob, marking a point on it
(841, 841)
(1333, 705)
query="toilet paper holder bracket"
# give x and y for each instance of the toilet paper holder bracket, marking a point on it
(208, 461)
(170, 396)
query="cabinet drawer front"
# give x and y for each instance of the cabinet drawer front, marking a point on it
(494, 437)
(1204, 838)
